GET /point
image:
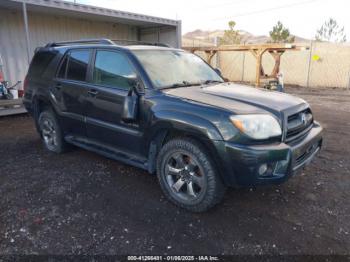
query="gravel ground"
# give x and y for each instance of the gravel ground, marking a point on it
(83, 203)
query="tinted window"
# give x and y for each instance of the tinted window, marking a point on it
(77, 65)
(62, 72)
(41, 62)
(112, 69)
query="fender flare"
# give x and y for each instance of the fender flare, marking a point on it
(178, 121)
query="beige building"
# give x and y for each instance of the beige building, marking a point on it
(27, 24)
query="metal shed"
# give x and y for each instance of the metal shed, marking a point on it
(27, 24)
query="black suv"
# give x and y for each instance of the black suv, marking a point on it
(168, 112)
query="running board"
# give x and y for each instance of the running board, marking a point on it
(108, 151)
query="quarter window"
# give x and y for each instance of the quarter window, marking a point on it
(112, 69)
(40, 63)
(77, 65)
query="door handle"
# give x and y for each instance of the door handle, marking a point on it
(92, 92)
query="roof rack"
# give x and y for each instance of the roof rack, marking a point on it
(137, 42)
(104, 41)
(101, 41)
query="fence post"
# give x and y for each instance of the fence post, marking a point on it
(243, 65)
(309, 65)
(217, 58)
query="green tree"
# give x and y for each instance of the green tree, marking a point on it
(280, 34)
(330, 31)
(231, 36)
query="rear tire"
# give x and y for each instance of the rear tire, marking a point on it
(187, 175)
(51, 132)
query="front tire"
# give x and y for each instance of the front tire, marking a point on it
(51, 132)
(187, 175)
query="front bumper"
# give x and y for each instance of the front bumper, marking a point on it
(241, 163)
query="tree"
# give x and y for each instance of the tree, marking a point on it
(330, 31)
(280, 34)
(231, 36)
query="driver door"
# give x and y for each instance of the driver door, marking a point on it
(108, 88)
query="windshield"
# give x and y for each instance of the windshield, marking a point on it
(173, 68)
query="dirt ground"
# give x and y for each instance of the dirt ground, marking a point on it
(83, 203)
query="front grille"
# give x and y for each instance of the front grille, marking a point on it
(299, 124)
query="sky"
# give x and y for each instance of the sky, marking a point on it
(302, 17)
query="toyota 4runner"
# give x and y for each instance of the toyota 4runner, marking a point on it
(170, 113)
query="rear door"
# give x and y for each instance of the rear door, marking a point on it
(110, 85)
(70, 89)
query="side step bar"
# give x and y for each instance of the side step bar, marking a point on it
(108, 151)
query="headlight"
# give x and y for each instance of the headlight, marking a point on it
(257, 126)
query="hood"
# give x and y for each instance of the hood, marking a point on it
(237, 98)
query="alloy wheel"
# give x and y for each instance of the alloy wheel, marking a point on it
(185, 177)
(49, 133)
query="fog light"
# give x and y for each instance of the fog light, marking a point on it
(262, 169)
(281, 166)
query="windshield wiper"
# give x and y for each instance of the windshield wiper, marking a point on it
(212, 81)
(186, 84)
(183, 84)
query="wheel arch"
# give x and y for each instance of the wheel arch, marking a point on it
(166, 130)
(40, 104)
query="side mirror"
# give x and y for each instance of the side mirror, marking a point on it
(218, 71)
(129, 113)
(135, 84)
(130, 106)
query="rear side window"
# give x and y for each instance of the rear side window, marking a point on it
(112, 69)
(40, 63)
(77, 65)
